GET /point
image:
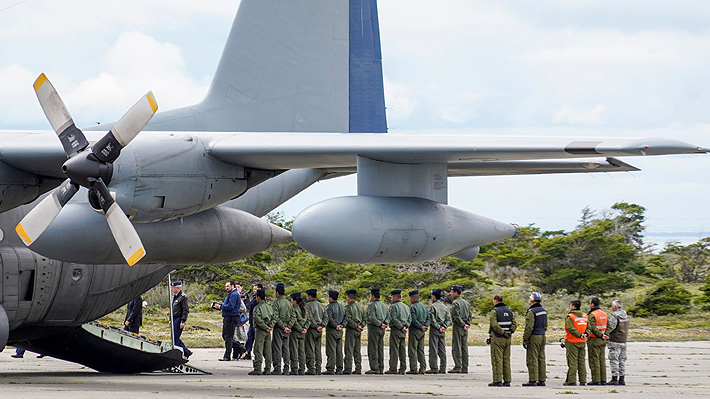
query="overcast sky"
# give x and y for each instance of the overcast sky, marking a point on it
(553, 68)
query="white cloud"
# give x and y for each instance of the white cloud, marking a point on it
(586, 116)
(398, 99)
(18, 103)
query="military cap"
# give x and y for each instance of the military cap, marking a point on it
(375, 291)
(351, 292)
(413, 292)
(295, 295)
(536, 296)
(333, 294)
(176, 283)
(312, 292)
(395, 292)
(436, 291)
(456, 288)
(261, 294)
(280, 285)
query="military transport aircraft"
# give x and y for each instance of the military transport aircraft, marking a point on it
(297, 97)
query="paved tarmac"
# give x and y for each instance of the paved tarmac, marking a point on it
(657, 370)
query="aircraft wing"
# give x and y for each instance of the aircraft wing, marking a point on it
(276, 151)
(467, 155)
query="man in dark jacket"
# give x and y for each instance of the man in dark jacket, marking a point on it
(230, 317)
(180, 312)
(134, 315)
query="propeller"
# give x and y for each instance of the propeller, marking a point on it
(91, 168)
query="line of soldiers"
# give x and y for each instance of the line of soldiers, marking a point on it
(297, 328)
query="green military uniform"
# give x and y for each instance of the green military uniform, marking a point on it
(377, 315)
(263, 320)
(279, 343)
(534, 342)
(502, 326)
(440, 317)
(314, 356)
(297, 341)
(335, 316)
(575, 350)
(400, 318)
(596, 345)
(356, 319)
(461, 317)
(420, 318)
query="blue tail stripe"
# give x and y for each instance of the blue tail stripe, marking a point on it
(367, 94)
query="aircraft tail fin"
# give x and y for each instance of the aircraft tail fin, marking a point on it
(294, 65)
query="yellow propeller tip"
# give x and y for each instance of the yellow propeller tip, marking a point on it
(23, 235)
(152, 102)
(138, 255)
(40, 81)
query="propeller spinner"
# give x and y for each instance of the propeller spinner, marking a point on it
(90, 168)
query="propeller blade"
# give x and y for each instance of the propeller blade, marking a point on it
(73, 139)
(122, 229)
(40, 217)
(126, 129)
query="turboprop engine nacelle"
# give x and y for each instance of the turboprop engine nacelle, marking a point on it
(217, 235)
(368, 229)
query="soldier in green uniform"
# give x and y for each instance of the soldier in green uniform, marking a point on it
(502, 327)
(297, 340)
(377, 320)
(596, 344)
(400, 318)
(335, 321)
(534, 341)
(263, 322)
(316, 314)
(461, 318)
(353, 331)
(417, 329)
(575, 341)
(282, 330)
(440, 321)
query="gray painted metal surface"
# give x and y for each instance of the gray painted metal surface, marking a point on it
(366, 229)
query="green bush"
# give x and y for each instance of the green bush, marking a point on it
(516, 301)
(668, 297)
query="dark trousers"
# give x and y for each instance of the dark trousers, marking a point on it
(177, 332)
(133, 329)
(229, 323)
(250, 338)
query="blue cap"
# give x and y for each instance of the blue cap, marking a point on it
(295, 295)
(436, 291)
(375, 291)
(413, 292)
(456, 288)
(176, 283)
(261, 294)
(536, 296)
(312, 292)
(395, 292)
(280, 285)
(333, 294)
(351, 292)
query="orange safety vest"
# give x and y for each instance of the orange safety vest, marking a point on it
(580, 324)
(600, 320)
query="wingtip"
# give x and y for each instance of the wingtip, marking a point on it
(23, 235)
(40, 81)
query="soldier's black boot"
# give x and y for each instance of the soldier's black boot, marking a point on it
(541, 383)
(622, 381)
(614, 381)
(530, 384)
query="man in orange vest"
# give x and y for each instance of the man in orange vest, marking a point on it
(575, 339)
(596, 343)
